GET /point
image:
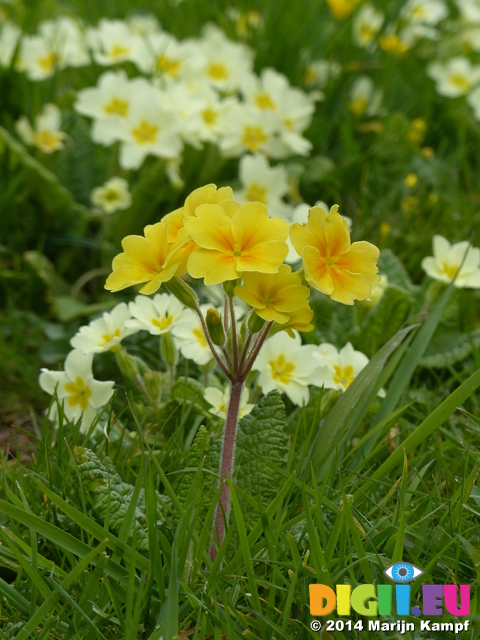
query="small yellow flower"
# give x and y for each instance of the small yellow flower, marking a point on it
(391, 43)
(274, 296)
(151, 260)
(344, 271)
(416, 133)
(341, 9)
(411, 180)
(232, 239)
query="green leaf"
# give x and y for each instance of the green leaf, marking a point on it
(447, 349)
(391, 266)
(110, 497)
(261, 440)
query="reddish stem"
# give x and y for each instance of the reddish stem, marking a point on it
(236, 388)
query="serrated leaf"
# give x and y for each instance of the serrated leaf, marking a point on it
(110, 496)
(261, 439)
(447, 349)
(200, 449)
(390, 265)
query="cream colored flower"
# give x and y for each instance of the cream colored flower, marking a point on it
(220, 399)
(112, 196)
(76, 387)
(337, 369)
(104, 333)
(455, 77)
(265, 184)
(190, 339)
(364, 99)
(157, 315)
(284, 364)
(366, 24)
(446, 261)
(46, 136)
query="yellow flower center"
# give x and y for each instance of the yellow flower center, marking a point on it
(343, 376)
(256, 193)
(419, 12)
(281, 369)
(169, 66)
(460, 81)
(117, 107)
(162, 323)
(310, 76)
(217, 71)
(145, 133)
(264, 101)
(358, 106)
(288, 122)
(450, 269)
(118, 51)
(200, 336)
(253, 137)
(47, 141)
(78, 392)
(108, 337)
(367, 33)
(209, 116)
(392, 44)
(48, 62)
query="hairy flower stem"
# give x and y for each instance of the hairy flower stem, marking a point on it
(236, 388)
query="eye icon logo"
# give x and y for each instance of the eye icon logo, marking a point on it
(402, 572)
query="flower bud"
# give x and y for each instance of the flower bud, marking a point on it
(169, 350)
(182, 291)
(229, 286)
(153, 384)
(255, 323)
(127, 364)
(215, 327)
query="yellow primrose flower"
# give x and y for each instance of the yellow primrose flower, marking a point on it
(233, 239)
(151, 259)
(299, 321)
(344, 271)
(274, 295)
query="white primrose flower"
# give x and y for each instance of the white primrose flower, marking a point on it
(174, 60)
(189, 337)
(337, 369)
(9, 37)
(213, 112)
(152, 128)
(284, 364)
(320, 72)
(248, 130)
(113, 42)
(76, 387)
(290, 109)
(428, 12)
(364, 99)
(144, 25)
(455, 77)
(366, 24)
(112, 196)
(47, 136)
(446, 261)
(220, 399)
(57, 45)
(263, 183)
(227, 65)
(469, 10)
(157, 315)
(109, 103)
(106, 332)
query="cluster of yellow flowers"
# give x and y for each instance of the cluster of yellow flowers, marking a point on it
(216, 238)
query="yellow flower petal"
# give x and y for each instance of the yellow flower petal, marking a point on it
(211, 228)
(251, 226)
(214, 266)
